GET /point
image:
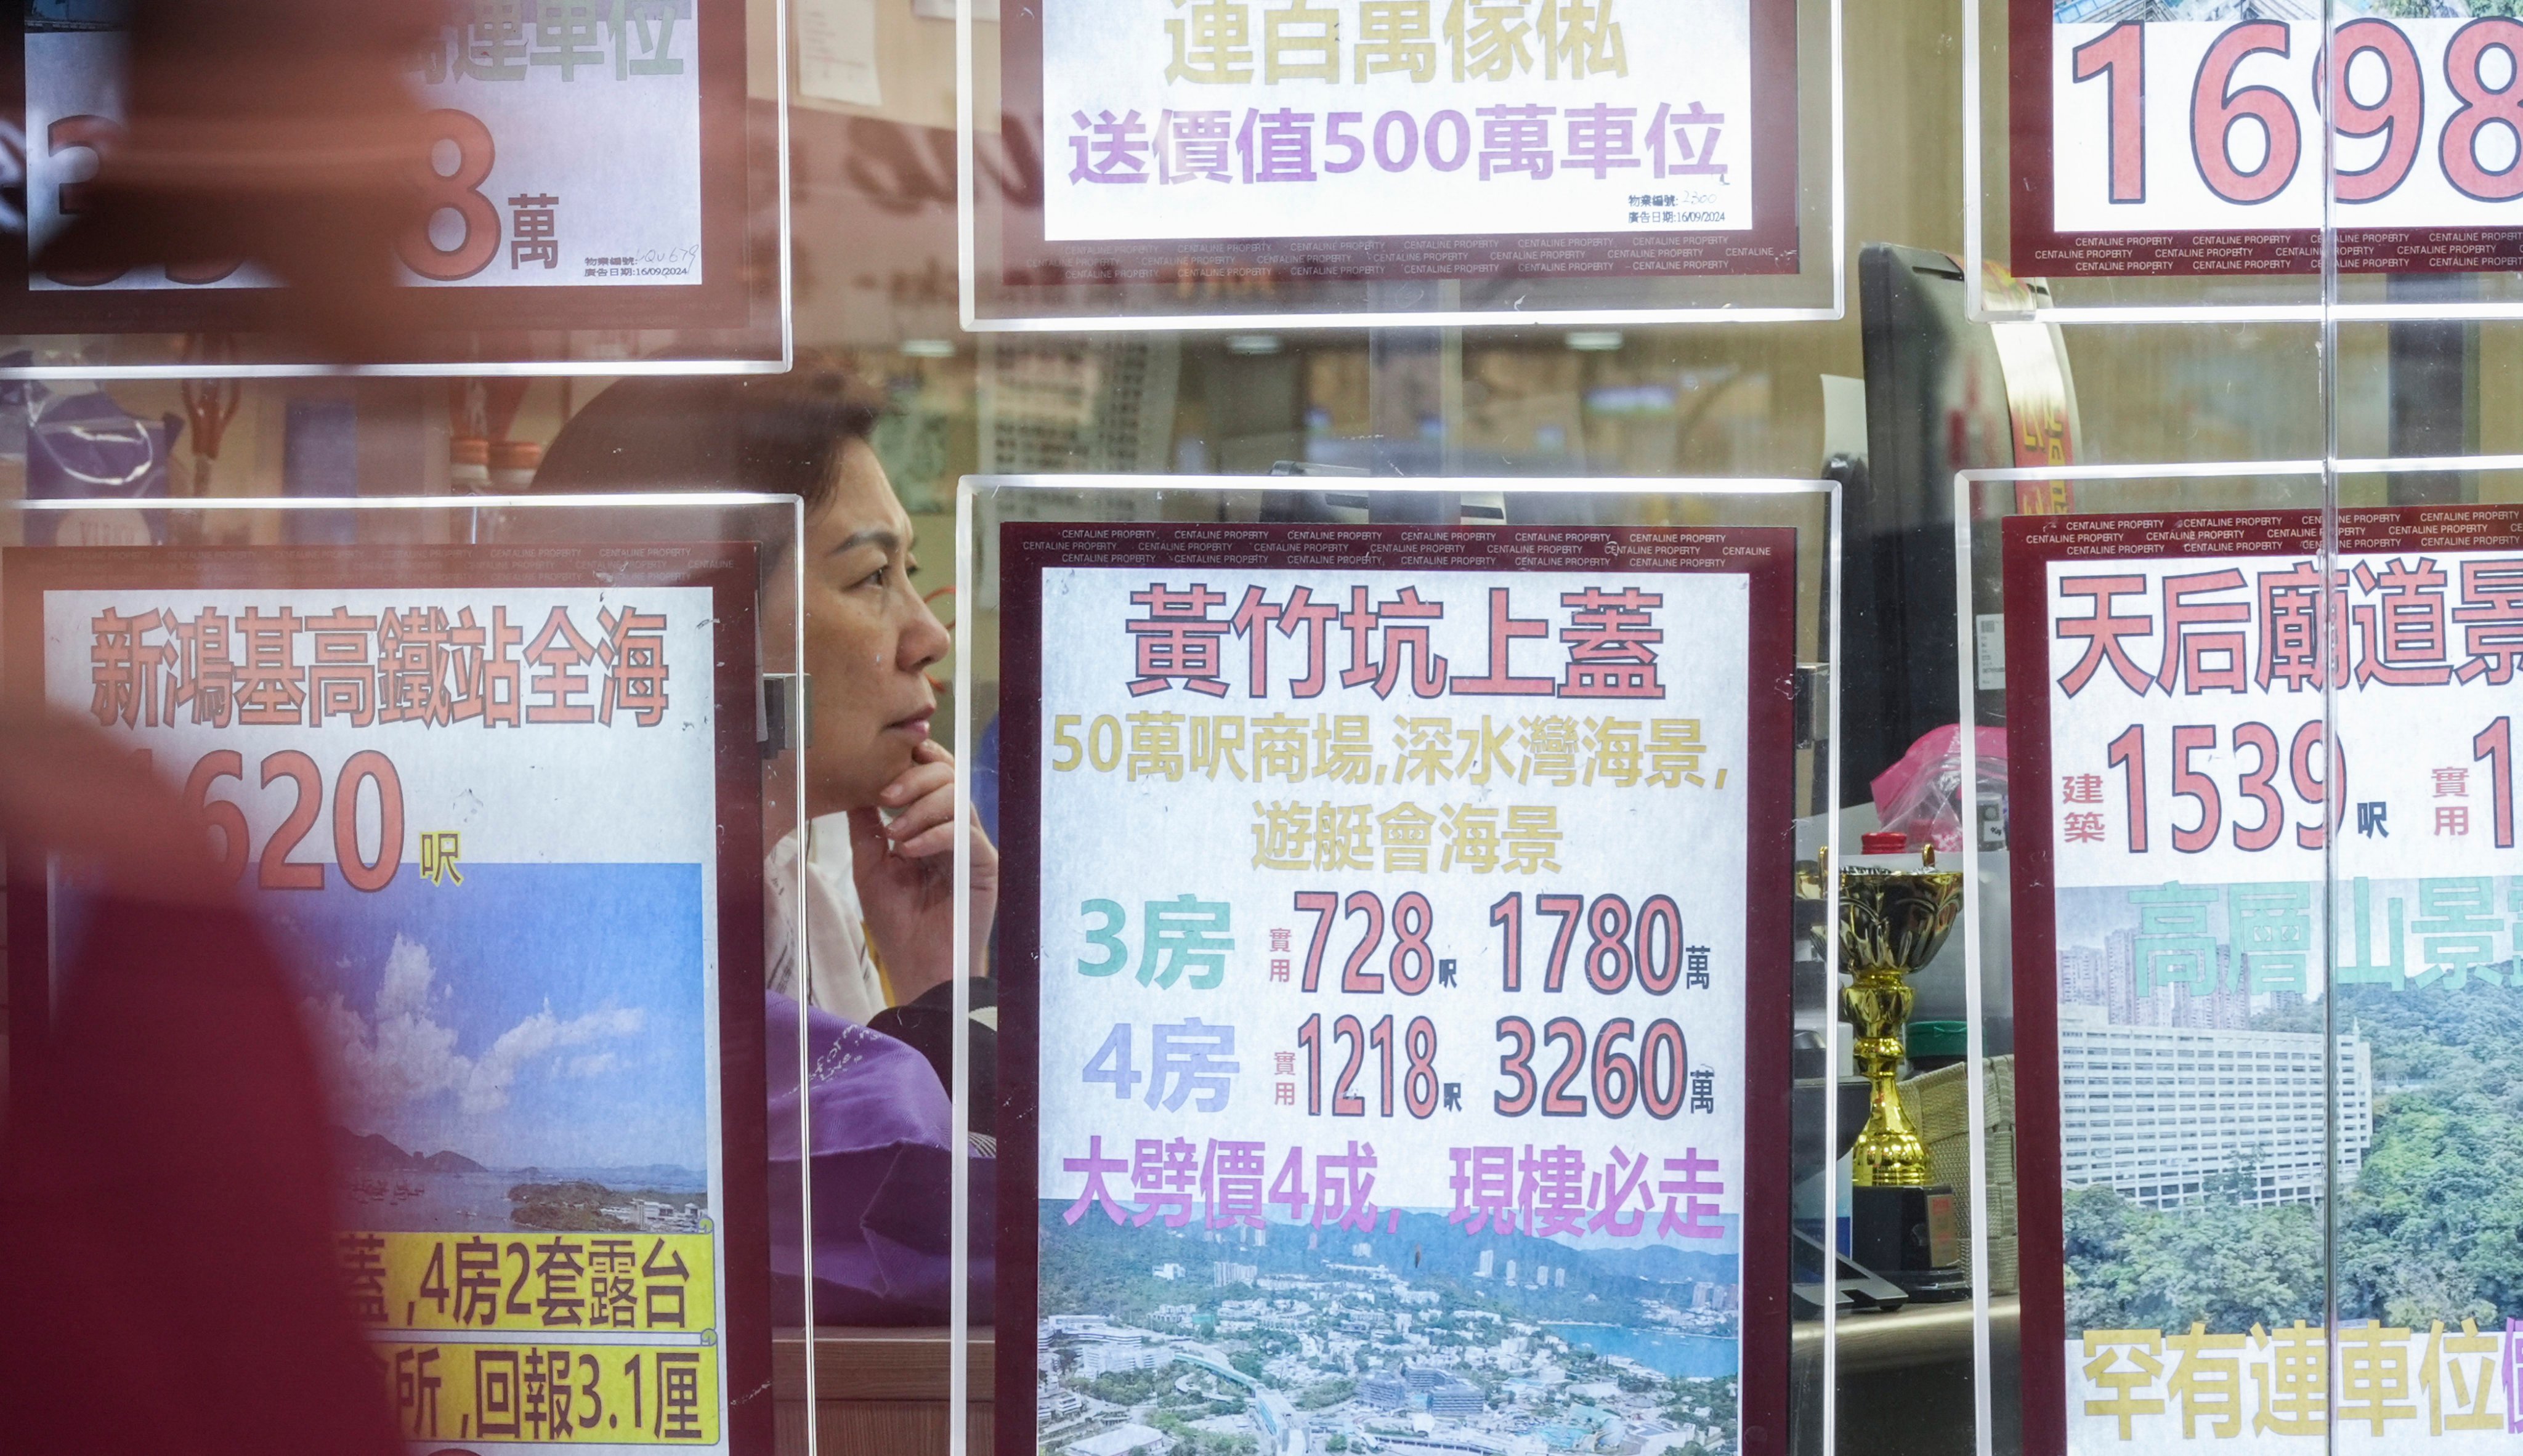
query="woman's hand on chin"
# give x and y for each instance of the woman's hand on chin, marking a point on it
(905, 869)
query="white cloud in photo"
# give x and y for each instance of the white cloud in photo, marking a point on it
(399, 1053)
(533, 1039)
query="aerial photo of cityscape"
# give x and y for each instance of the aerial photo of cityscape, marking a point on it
(1290, 1339)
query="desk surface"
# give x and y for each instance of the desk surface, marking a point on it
(1916, 1334)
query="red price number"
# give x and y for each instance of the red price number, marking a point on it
(1410, 967)
(2247, 784)
(1418, 1080)
(367, 777)
(1622, 944)
(456, 139)
(1626, 1069)
(2222, 112)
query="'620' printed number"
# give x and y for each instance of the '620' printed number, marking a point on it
(274, 870)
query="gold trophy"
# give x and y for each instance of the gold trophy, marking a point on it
(1892, 922)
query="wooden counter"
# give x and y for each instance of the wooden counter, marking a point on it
(879, 1393)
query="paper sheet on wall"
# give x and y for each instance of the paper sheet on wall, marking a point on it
(837, 52)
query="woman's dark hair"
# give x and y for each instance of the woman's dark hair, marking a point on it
(777, 434)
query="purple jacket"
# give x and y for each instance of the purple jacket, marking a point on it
(878, 1124)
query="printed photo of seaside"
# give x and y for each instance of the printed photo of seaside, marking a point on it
(1414, 1337)
(524, 1050)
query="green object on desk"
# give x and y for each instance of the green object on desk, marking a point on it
(1935, 1044)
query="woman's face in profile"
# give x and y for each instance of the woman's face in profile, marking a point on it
(870, 639)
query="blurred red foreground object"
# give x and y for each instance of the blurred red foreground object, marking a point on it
(166, 1278)
(278, 132)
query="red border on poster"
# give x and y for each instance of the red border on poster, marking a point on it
(2039, 249)
(2032, 543)
(1771, 246)
(722, 300)
(728, 570)
(1027, 550)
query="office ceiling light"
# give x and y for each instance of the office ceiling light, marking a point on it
(1253, 343)
(1594, 340)
(928, 348)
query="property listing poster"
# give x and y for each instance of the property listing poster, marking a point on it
(568, 139)
(1402, 139)
(2187, 138)
(474, 799)
(1403, 1014)
(2203, 1071)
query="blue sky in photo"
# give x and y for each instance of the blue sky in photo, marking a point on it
(536, 1014)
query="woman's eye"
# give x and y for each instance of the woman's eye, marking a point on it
(875, 578)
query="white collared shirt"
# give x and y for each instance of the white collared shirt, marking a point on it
(841, 976)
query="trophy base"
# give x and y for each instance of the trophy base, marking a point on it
(1911, 1237)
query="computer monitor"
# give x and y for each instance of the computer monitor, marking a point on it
(1936, 402)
